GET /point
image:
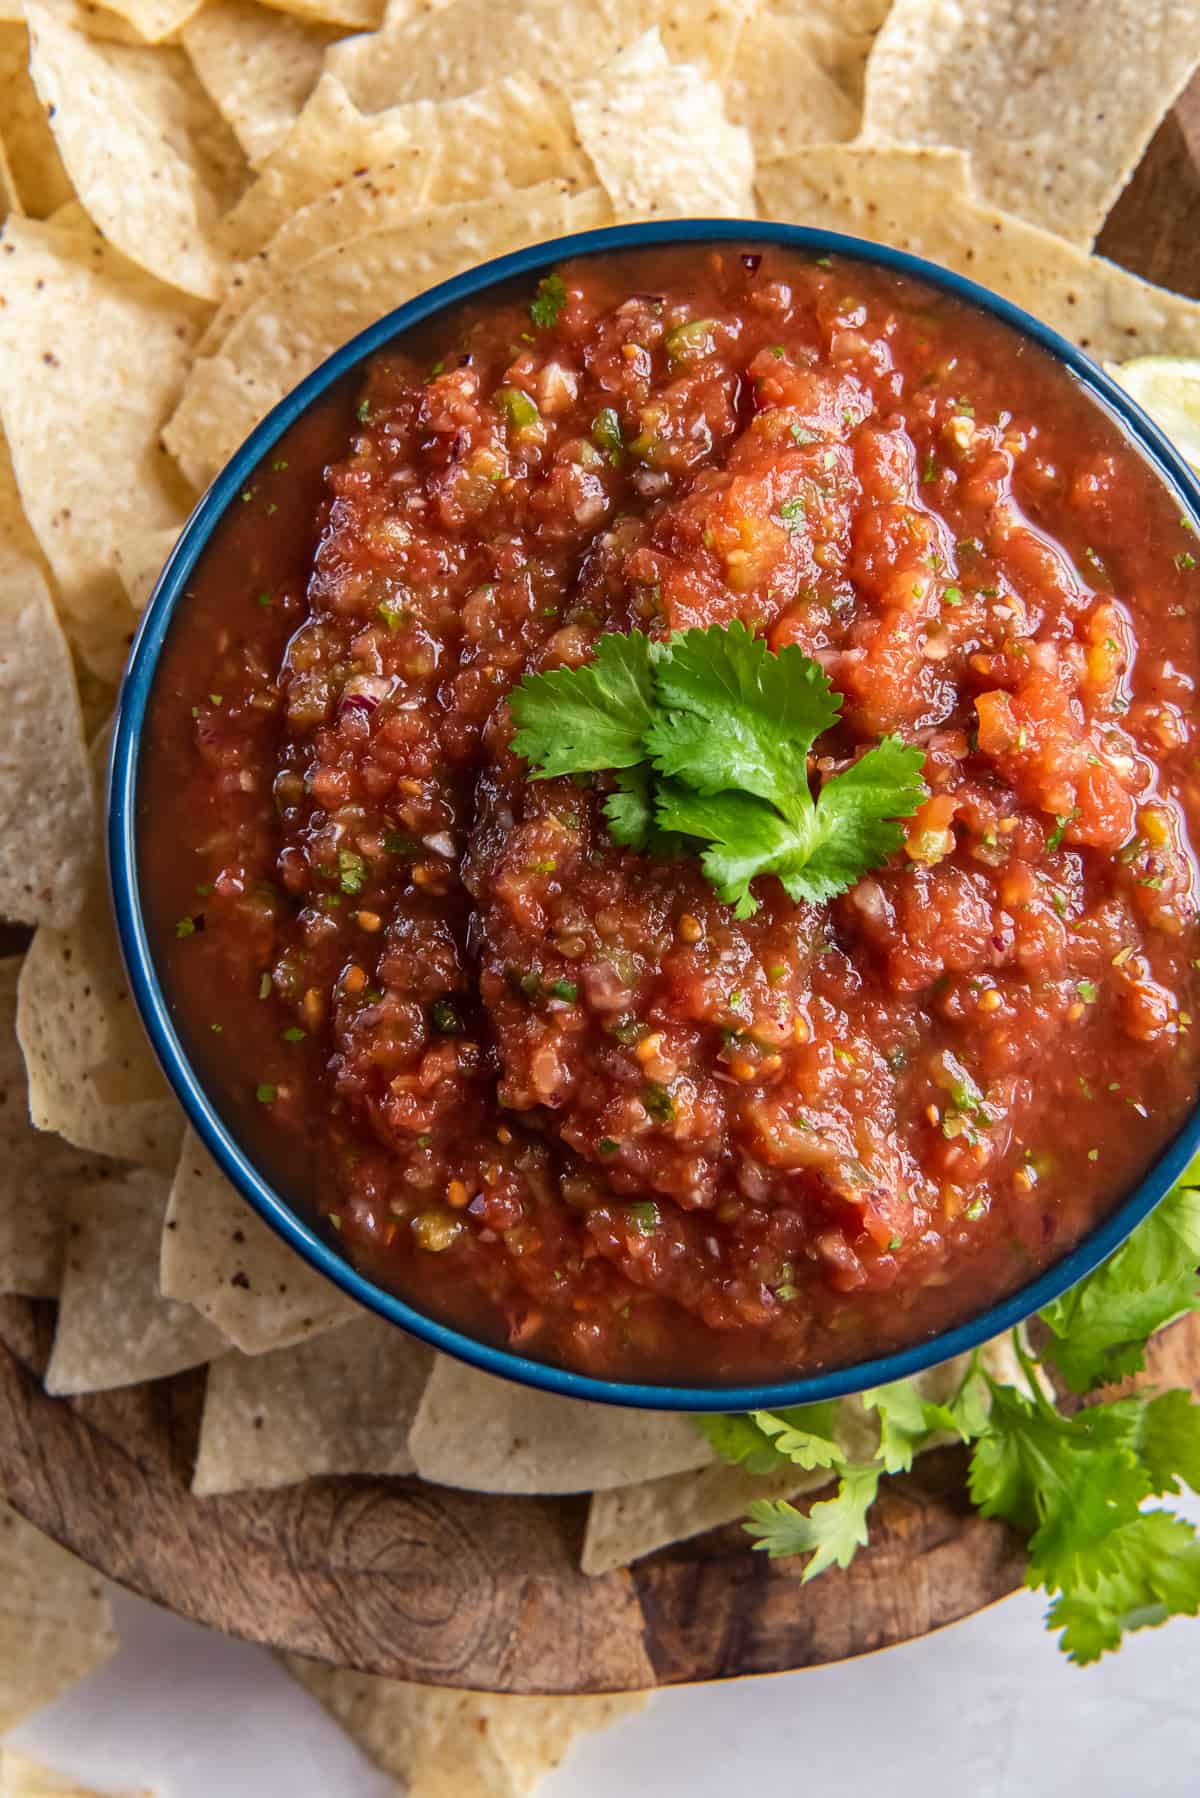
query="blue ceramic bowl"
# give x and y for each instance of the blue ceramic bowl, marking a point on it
(200, 1105)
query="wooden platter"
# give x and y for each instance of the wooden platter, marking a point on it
(460, 1589)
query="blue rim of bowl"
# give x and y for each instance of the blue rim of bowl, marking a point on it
(122, 847)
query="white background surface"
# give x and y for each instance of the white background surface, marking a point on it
(987, 1709)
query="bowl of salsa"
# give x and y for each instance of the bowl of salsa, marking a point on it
(652, 815)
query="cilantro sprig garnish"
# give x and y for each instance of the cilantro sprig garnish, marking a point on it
(548, 302)
(708, 736)
(1076, 1486)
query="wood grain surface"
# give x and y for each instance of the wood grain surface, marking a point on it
(420, 1582)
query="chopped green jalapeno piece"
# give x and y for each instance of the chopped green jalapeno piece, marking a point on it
(444, 1018)
(691, 341)
(519, 411)
(659, 1103)
(352, 871)
(606, 434)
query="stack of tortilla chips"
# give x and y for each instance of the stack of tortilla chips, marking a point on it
(201, 199)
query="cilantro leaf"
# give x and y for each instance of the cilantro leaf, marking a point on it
(856, 813)
(738, 717)
(966, 1414)
(804, 1435)
(765, 1441)
(630, 810)
(1163, 1432)
(1146, 1571)
(1145, 1566)
(816, 850)
(1170, 1441)
(549, 301)
(831, 1532)
(907, 1419)
(904, 1422)
(1100, 1326)
(746, 837)
(739, 1441)
(630, 815)
(577, 720)
(1066, 1483)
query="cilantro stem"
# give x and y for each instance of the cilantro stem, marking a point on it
(1048, 1410)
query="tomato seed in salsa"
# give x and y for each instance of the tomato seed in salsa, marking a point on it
(553, 1089)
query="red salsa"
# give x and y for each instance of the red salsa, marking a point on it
(553, 1090)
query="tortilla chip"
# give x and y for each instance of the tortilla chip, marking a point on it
(23, 1778)
(659, 140)
(92, 357)
(98, 21)
(356, 15)
(328, 142)
(902, 197)
(56, 1623)
(220, 1257)
(839, 34)
(41, 180)
(340, 1405)
(857, 17)
(374, 200)
(448, 1744)
(141, 557)
(152, 20)
(10, 199)
(786, 87)
(72, 218)
(41, 1171)
(325, 301)
(257, 67)
(511, 133)
(436, 55)
(492, 1435)
(114, 1327)
(47, 812)
(92, 1074)
(628, 1522)
(124, 123)
(97, 698)
(1054, 103)
(201, 131)
(855, 182)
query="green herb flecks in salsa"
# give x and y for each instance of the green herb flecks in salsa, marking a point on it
(548, 303)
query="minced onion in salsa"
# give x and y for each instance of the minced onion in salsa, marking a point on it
(552, 1090)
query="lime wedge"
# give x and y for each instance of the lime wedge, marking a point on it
(1168, 387)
